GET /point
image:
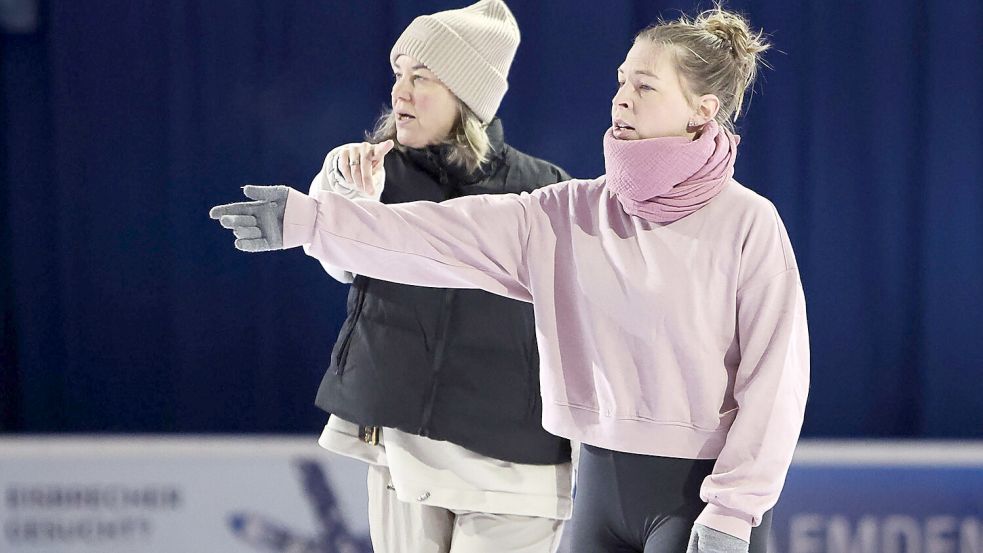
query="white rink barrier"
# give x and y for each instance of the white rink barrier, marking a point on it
(96, 494)
(179, 495)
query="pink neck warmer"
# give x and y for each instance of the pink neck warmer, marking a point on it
(665, 179)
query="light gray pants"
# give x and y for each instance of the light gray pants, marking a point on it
(400, 527)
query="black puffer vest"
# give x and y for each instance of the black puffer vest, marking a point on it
(454, 365)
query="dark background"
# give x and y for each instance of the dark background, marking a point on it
(125, 309)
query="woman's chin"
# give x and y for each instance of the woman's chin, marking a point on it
(409, 139)
(406, 138)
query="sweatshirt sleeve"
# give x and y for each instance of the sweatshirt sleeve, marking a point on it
(330, 180)
(468, 242)
(770, 388)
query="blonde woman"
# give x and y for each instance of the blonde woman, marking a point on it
(669, 309)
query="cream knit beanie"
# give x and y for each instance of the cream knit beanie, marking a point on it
(469, 49)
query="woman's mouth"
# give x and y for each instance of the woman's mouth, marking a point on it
(620, 129)
(404, 118)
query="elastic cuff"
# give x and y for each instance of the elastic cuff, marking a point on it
(299, 218)
(728, 521)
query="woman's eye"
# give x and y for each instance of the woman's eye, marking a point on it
(645, 87)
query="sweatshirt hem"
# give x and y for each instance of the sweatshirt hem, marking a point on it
(644, 437)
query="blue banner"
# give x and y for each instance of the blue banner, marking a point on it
(880, 509)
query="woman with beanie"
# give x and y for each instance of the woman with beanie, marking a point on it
(437, 389)
(669, 310)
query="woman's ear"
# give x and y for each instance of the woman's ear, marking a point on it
(707, 108)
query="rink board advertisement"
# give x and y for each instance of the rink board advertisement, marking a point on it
(171, 496)
(903, 498)
(82, 495)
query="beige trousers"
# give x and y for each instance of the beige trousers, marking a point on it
(402, 527)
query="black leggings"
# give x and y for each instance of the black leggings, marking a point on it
(640, 504)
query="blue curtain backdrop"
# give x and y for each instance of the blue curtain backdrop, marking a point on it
(125, 309)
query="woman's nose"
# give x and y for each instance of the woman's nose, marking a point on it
(621, 99)
(401, 91)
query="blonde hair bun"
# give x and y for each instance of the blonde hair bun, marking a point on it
(734, 32)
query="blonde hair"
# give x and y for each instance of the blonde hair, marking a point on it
(468, 139)
(716, 53)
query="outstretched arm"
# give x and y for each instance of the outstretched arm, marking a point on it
(469, 242)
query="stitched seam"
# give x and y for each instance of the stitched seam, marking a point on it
(767, 282)
(638, 418)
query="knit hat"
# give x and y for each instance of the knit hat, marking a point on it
(469, 49)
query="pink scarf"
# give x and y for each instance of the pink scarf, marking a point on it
(665, 179)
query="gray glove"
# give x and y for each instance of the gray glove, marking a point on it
(704, 539)
(258, 225)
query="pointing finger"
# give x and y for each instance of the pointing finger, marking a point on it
(233, 221)
(237, 208)
(384, 148)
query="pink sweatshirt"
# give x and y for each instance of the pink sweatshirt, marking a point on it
(684, 340)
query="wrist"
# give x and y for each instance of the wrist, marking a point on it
(299, 218)
(728, 521)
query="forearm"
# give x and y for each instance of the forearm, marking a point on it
(419, 243)
(770, 388)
